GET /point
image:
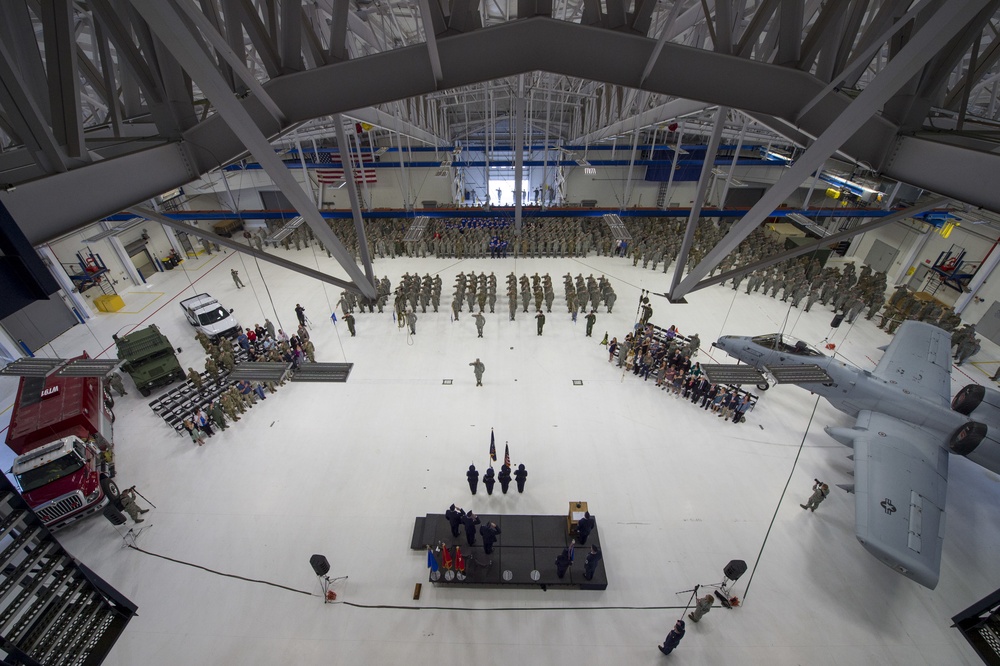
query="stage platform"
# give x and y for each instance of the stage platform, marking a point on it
(524, 554)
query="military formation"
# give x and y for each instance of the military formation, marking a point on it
(655, 242)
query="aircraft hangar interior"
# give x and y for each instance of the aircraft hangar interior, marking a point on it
(288, 285)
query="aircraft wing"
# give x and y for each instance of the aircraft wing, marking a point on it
(901, 479)
(919, 360)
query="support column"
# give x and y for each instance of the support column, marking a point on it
(699, 197)
(65, 283)
(123, 257)
(911, 256)
(518, 151)
(352, 193)
(985, 271)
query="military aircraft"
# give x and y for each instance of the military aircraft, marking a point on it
(905, 427)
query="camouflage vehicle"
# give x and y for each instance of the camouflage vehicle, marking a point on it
(149, 359)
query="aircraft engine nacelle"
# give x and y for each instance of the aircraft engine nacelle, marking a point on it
(978, 401)
(975, 441)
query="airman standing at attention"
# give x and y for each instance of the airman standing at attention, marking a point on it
(195, 379)
(480, 322)
(540, 321)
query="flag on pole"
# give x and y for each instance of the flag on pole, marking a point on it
(445, 557)
(432, 562)
(459, 560)
(506, 455)
(493, 447)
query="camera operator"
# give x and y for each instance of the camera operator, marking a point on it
(820, 492)
(129, 506)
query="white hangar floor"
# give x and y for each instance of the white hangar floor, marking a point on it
(343, 470)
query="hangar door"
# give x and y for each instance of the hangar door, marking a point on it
(880, 256)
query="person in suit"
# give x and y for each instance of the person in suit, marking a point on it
(470, 520)
(454, 517)
(504, 478)
(673, 639)
(521, 475)
(473, 476)
(489, 479)
(590, 564)
(489, 532)
(563, 562)
(585, 526)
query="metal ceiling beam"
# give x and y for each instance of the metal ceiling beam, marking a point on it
(948, 21)
(171, 29)
(150, 214)
(826, 242)
(971, 176)
(347, 164)
(699, 197)
(537, 43)
(672, 110)
(27, 120)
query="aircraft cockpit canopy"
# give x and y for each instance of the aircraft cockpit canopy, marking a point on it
(785, 344)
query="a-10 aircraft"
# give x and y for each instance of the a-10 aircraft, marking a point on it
(905, 429)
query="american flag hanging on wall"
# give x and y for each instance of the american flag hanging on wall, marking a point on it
(327, 176)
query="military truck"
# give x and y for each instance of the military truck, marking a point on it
(149, 359)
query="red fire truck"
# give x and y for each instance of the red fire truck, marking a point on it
(61, 431)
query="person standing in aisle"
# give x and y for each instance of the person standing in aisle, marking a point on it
(521, 475)
(349, 318)
(411, 319)
(591, 318)
(473, 476)
(300, 313)
(236, 278)
(540, 321)
(478, 368)
(480, 322)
